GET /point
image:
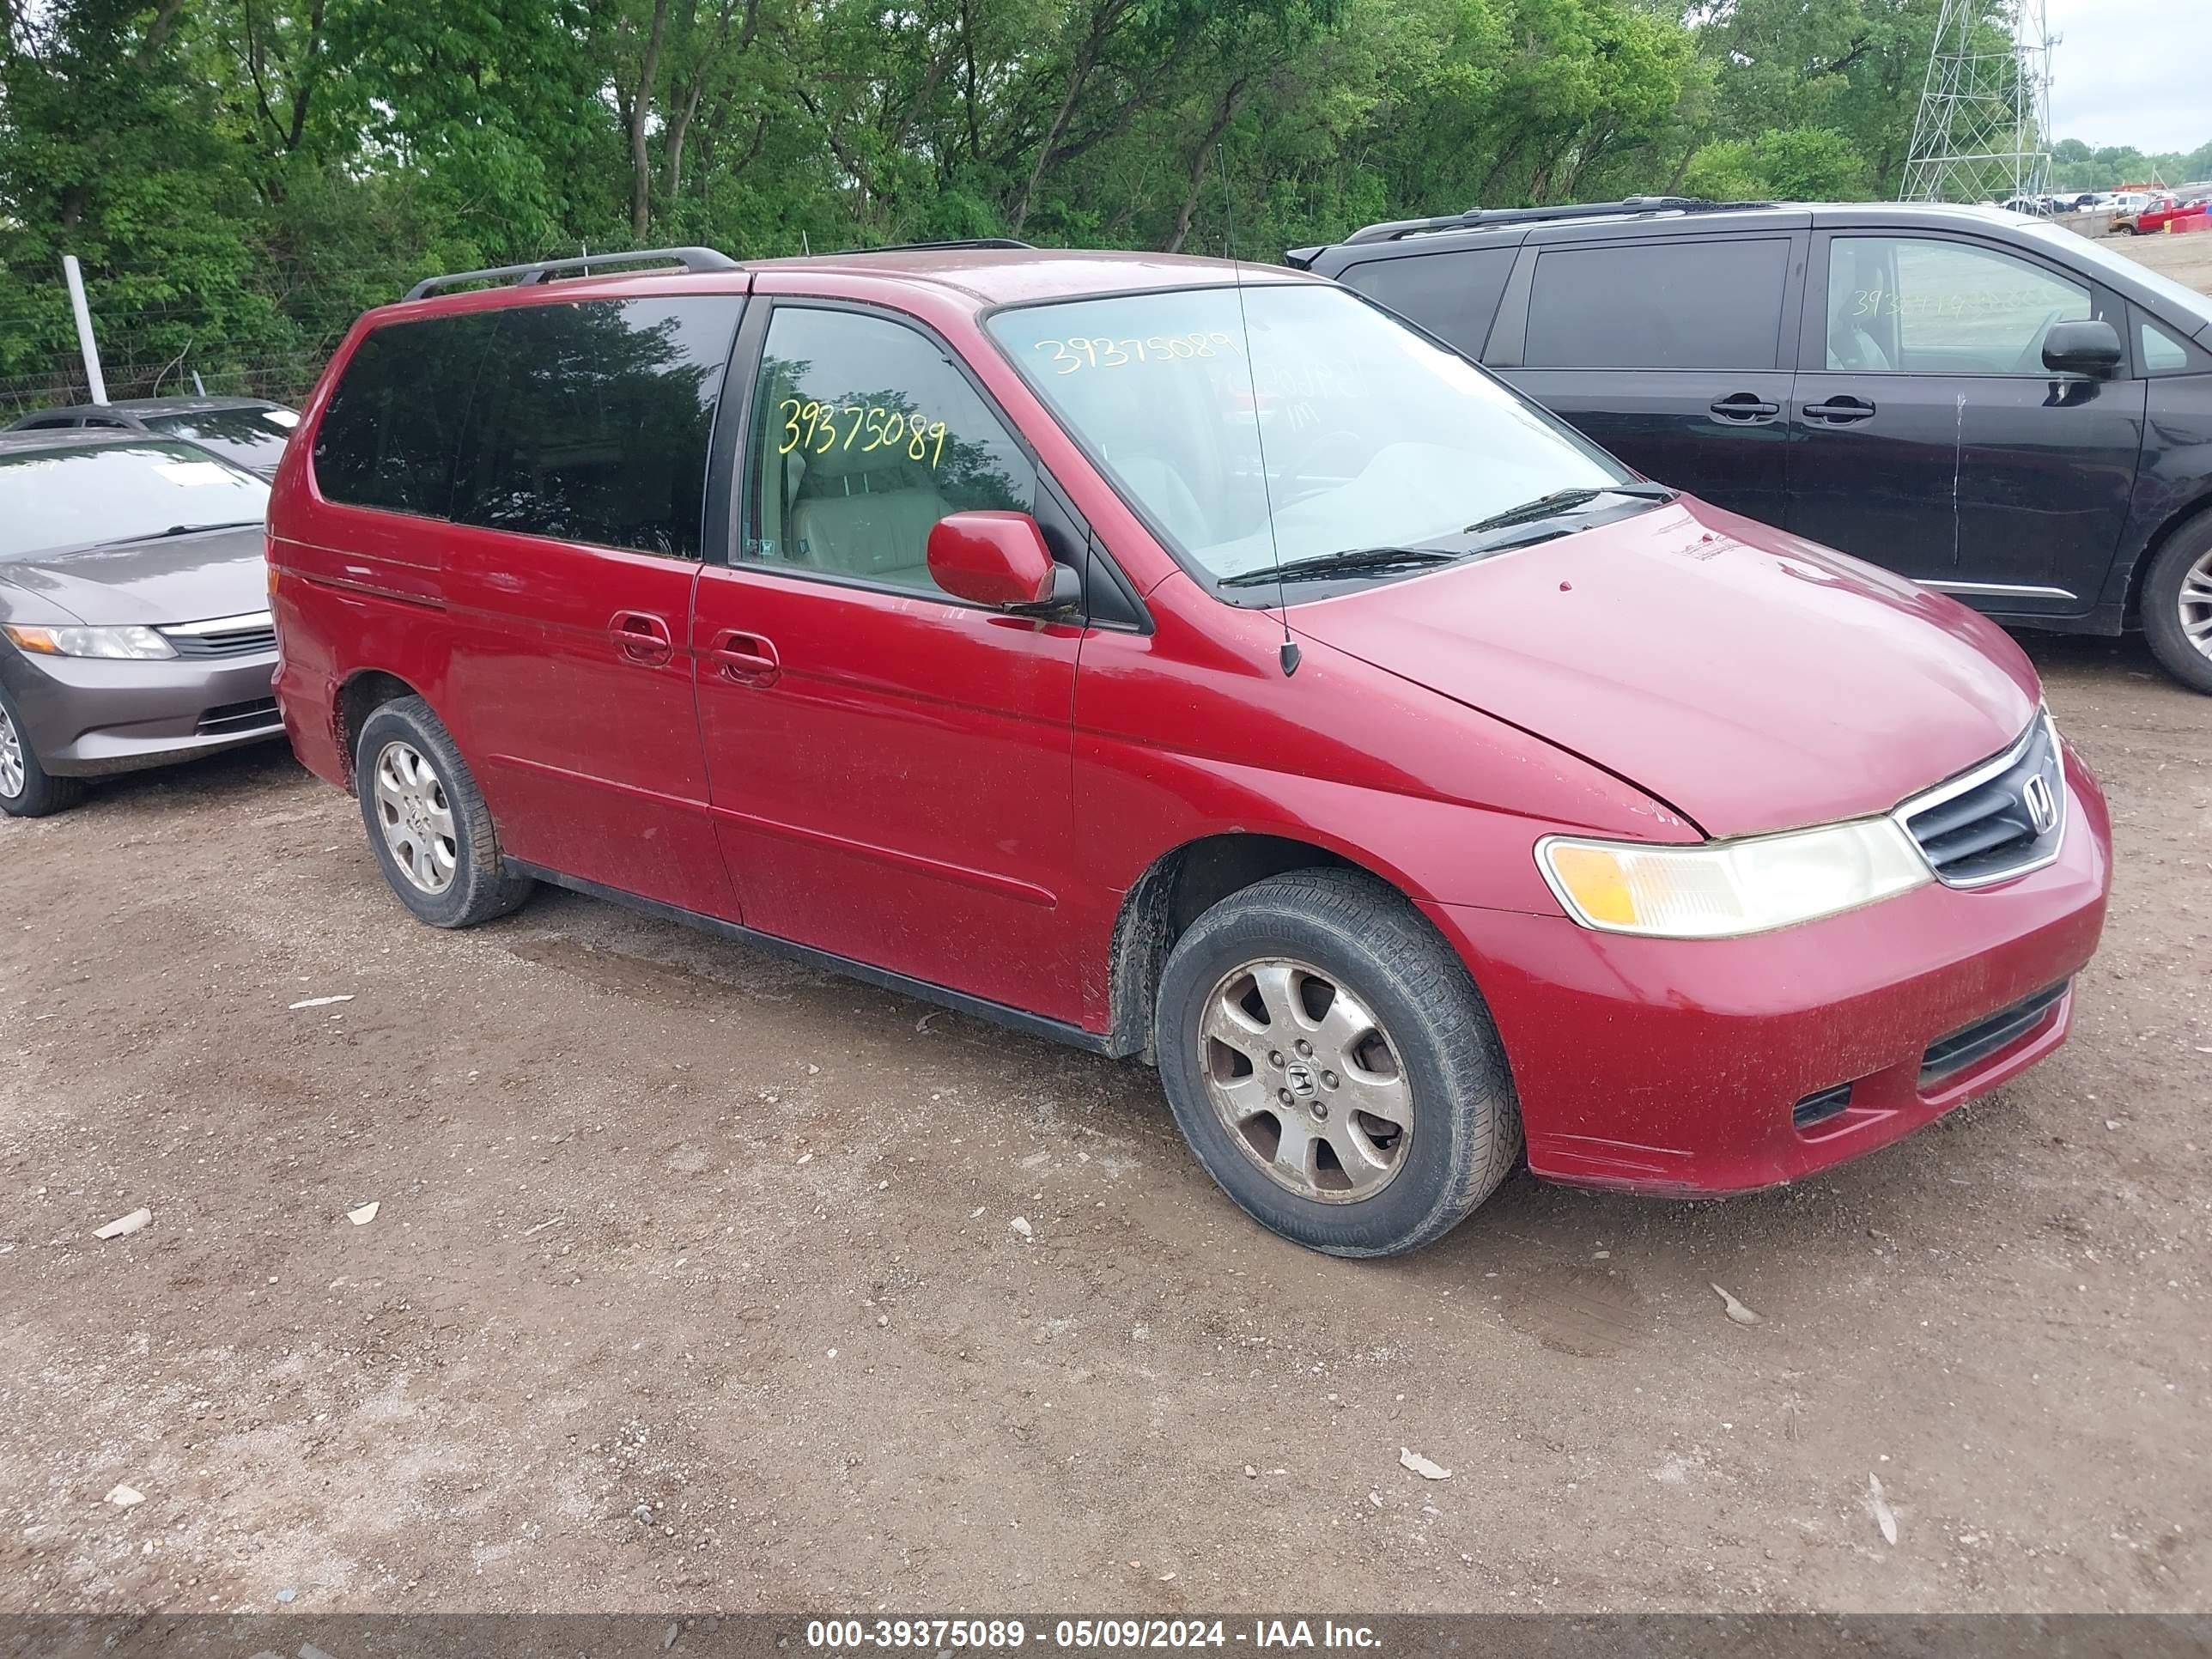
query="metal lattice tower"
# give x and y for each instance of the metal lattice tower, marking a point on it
(1984, 130)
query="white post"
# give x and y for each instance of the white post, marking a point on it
(71, 269)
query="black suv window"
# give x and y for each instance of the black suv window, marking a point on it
(1453, 296)
(387, 438)
(1682, 304)
(591, 422)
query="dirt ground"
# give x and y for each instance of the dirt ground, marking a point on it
(693, 1283)
(2185, 258)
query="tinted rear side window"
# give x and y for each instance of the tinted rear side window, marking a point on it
(1453, 296)
(387, 438)
(1677, 304)
(591, 422)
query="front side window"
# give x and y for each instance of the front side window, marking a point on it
(864, 435)
(387, 436)
(1684, 304)
(1206, 407)
(1917, 305)
(87, 496)
(591, 422)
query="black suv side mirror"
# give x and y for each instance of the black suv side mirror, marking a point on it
(2083, 347)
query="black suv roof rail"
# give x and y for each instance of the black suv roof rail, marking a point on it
(1475, 218)
(691, 259)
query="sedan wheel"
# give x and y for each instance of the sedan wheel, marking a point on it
(11, 757)
(1305, 1080)
(418, 820)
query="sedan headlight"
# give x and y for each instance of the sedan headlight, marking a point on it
(139, 644)
(1725, 889)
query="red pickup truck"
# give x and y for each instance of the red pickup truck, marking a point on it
(2161, 211)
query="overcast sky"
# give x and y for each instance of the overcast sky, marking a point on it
(2132, 72)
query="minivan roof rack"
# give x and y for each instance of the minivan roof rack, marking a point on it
(1477, 218)
(691, 259)
(922, 247)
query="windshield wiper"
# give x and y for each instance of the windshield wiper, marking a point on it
(1566, 500)
(1350, 562)
(180, 530)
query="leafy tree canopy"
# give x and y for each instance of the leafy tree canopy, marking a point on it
(240, 178)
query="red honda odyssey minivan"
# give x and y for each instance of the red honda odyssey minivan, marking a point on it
(1187, 662)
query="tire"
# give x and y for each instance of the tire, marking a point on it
(1319, 936)
(2176, 597)
(27, 790)
(427, 821)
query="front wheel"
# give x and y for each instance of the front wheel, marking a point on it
(2177, 604)
(27, 790)
(1331, 1063)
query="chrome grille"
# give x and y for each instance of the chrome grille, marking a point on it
(2004, 818)
(225, 636)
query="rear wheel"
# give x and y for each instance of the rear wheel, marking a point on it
(2177, 604)
(27, 790)
(1331, 1065)
(427, 821)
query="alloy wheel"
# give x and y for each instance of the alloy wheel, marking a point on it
(1306, 1080)
(2196, 603)
(11, 757)
(418, 820)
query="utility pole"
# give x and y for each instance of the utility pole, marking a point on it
(76, 276)
(1983, 128)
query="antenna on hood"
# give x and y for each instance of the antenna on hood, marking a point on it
(1290, 651)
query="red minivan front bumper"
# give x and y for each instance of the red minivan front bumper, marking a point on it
(1677, 1066)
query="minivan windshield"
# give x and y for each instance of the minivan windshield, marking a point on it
(1378, 443)
(80, 496)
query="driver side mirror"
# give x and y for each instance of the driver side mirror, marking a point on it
(999, 559)
(2083, 347)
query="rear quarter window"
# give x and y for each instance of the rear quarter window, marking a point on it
(1673, 305)
(1453, 296)
(388, 435)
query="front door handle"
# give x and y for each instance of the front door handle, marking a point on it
(644, 638)
(1746, 408)
(745, 659)
(1840, 411)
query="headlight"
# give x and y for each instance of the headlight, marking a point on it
(134, 643)
(1724, 888)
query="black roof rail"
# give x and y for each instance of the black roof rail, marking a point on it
(921, 247)
(1481, 218)
(691, 259)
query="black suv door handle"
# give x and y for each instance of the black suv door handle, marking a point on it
(1839, 412)
(1746, 408)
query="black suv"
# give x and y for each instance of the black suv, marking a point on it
(1988, 403)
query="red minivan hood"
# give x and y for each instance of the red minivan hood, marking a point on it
(1748, 678)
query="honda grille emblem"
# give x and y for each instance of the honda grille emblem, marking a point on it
(2042, 808)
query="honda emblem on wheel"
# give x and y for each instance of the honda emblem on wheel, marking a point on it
(2042, 808)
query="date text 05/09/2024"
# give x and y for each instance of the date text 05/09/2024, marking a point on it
(941, 1635)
